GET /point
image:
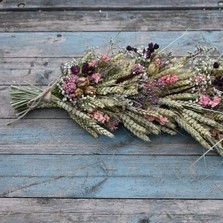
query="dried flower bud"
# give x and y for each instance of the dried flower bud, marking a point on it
(79, 92)
(129, 48)
(152, 69)
(157, 61)
(75, 69)
(156, 46)
(82, 82)
(216, 65)
(90, 90)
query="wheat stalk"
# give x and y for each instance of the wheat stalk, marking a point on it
(194, 133)
(145, 123)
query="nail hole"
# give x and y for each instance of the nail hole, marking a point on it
(220, 4)
(59, 35)
(21, 5)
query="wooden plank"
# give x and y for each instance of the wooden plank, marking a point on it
(111, 176)
(70, 44)
(111, 20)
(47, 136)
(6, 111)
(109, 210)
(37, 71)
(95, 4)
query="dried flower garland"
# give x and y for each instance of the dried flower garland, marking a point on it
(146, 90)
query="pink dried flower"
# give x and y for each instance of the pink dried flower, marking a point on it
(105, 58)
(96, 77)
(92, 63)
(204, 101)
(216, 100)
(169, 79)
(163, 120)
(100, 117)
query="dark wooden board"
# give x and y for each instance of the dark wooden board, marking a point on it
(76, 21)
(109, 211)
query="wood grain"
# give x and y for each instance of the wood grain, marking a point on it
(76, 21)
(46, 157)
(70, 44)
(109, 210)
(47, 136)
(36, 71)
(95, 4)
(110, 176)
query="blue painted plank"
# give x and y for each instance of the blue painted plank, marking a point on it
(111, 176)
(37, 71)
(69, 44)
(63, 136)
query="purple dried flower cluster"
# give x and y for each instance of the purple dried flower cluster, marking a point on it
(138, 69)
(152, 90)
(218, 83)
(70, 86)
(82, 80)
(147, 52)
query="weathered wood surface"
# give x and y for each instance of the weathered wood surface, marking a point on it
(110, 176)
(122, 211)
(48, 156)
(114, 4)
(62, 136)
(76, 21)
(36, 57)
(70, 44)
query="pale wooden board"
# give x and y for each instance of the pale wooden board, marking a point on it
(111, 176)
(111, 20)
(70, 44)
(109, 211)
(63, 136)
(95, 4)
